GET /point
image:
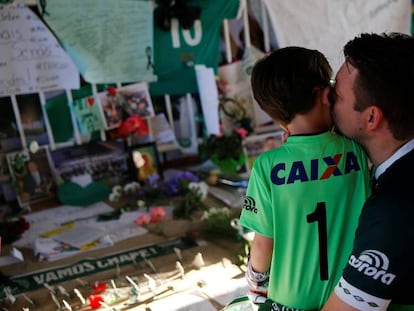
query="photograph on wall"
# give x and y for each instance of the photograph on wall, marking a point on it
(88, 115)
(137, 100)
(96, 161)
(60, 117)
(162, 132)
(32, 176)
(4, 169)
(9, 133)
(185, 123)
(120, 103)
(256, 145)
(112, 105)
(144, 162)
(7, 191)
(32, 118)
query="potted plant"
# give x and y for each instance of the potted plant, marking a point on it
(226, 151)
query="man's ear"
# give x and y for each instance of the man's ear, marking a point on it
(374, 117)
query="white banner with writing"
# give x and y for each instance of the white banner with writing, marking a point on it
(327, 25)
(31, 59)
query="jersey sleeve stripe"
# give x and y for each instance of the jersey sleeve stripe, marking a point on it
(359, 299)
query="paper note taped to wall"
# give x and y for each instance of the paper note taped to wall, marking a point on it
(209, 98)
(31, 59)
(109, 40)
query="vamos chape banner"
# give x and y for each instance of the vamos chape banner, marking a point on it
(35, 280)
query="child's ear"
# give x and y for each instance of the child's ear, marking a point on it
(322, 94)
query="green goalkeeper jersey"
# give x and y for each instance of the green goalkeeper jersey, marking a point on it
(178, 50)
(307, 196)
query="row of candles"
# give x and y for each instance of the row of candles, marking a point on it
(106, 294)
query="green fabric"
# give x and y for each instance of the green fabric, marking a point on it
(286, 186)
(96, 266)
(84, 91)
(230, 165)
(269, 305)
(394, 307)
(70, 193)
(177, 51)
(412, 18)
(59, 118)
(241, 304)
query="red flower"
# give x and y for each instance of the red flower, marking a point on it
(134, 124)
(111, 91)
(158, 214)
(99, 287)
(242, 132)
(143, 220)
(20, 226)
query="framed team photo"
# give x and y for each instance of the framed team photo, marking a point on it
(100, 161)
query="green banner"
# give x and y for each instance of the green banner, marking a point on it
(35, 280)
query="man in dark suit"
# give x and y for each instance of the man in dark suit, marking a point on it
(35, 183)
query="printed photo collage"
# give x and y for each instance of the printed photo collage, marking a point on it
(55, 137)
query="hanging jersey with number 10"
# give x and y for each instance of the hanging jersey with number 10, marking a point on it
(177, 51)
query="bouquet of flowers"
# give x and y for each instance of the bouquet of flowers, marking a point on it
(188, 190)
(134, 124)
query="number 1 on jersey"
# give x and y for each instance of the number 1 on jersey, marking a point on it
(319, 215)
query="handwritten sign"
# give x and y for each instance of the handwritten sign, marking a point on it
(109, 41)
(31, 59)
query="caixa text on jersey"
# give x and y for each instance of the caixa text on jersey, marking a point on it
(298, 171)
